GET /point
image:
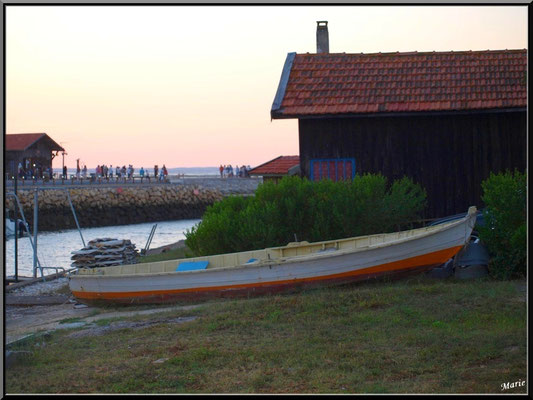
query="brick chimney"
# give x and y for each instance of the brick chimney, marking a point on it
(322, 37)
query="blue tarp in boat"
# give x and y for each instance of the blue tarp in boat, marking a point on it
(192, 265)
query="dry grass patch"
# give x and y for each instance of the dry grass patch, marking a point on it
(409, 336)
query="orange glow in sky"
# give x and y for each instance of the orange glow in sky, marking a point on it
(190, 86)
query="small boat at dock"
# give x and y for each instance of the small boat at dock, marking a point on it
(9, 228)
(273, 269)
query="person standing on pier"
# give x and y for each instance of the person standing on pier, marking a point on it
(156, 169)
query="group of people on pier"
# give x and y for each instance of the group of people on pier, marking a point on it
(108, 173)
(33, 171)
(163, 173)
(227, 171)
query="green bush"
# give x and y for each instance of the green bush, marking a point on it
(298, 209)
(505, 231)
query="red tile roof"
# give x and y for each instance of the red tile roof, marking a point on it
(277, 166)
(324, 84)
(21, 141)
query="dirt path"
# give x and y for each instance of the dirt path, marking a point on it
(39, 306)
(23, 321)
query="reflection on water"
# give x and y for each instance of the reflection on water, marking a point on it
(54, 248)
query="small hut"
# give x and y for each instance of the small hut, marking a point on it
(445, 119)
(30, 154)
(277, 168)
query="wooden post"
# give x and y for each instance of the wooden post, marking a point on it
(75, 217)
(16, 232)
(35, 223)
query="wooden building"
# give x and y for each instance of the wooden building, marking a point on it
(445, 119)
(29, 150)
(277, 168)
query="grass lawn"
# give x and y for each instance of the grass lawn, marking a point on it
(411, 336)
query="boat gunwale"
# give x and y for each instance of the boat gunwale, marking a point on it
(290, 259)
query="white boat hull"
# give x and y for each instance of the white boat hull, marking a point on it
(9, 228)
(413, 250)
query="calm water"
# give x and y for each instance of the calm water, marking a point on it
(54, 248)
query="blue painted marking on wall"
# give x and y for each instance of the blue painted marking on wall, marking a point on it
(318, 163)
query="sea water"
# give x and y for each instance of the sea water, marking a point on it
(54, 249)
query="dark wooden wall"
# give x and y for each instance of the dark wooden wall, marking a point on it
(449, 155)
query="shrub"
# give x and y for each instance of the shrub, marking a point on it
(505, 231)
(217, 235)
(298, 209)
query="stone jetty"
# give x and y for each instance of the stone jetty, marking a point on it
(102, 205)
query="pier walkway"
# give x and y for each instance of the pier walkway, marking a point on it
(225, 185)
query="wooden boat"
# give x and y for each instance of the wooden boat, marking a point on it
(276, 268)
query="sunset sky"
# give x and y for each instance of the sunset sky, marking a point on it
(191, 86)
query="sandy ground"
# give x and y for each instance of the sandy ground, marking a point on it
(23, 321)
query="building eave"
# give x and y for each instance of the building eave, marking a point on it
(269, 175)
(282, 86)
(280, 115)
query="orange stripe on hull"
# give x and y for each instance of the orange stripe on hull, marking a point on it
(426, 260)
